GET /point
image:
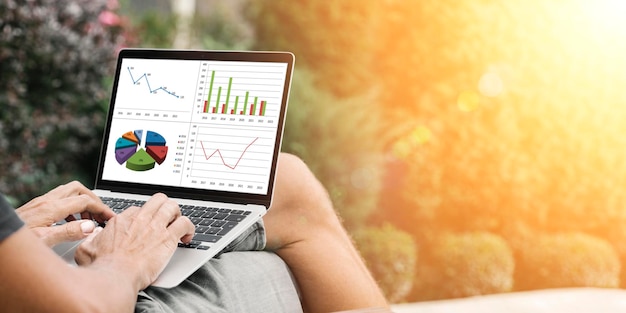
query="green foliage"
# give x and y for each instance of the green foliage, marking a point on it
(336, 37)
(336, 148)
(332, 121)
(545, 151)
(222, 28)
(566, 260)
(544, 155)
(54, 59)
(391, 256)
(461, 265)
(153, 29)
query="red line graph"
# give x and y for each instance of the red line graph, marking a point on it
(232, 167)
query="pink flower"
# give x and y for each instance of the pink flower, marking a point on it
(109, 18)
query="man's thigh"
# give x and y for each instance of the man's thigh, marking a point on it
(243, 279)
(251, 281)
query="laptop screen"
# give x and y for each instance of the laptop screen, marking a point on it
(196, 122)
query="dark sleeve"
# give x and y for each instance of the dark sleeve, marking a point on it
(9, 221)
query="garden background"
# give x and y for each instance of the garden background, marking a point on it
(471, 147)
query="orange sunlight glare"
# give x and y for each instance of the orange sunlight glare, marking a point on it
(607, 16)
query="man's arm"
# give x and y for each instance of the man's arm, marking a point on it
(116, 262)
(34, 279)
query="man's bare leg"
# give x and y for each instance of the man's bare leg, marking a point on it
(304, 230)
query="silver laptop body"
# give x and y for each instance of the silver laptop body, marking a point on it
(203, 127)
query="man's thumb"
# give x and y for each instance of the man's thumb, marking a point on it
(70, 231)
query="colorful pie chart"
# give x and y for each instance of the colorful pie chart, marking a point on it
(140, 154)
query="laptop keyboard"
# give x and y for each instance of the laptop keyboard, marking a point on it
(211, 223)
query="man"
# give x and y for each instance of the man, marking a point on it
(119, 262)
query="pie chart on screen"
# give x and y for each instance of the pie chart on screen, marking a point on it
(140, 150)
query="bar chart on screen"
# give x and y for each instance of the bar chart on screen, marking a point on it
(234, 158)
(235, 91)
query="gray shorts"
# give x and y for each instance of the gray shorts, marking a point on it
(241, 279)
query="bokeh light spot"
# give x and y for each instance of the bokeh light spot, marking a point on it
(404, 146)
(490, 85)
(420, 135)
(401, 149)
(468, 101)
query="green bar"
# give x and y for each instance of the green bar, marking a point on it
(217, 102)
(263, 106)
(253, 111)
(236, 102)
(245, 104)
(208, 101)
(230, 82)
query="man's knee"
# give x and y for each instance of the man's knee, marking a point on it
(299, 189)
(294, 173)
(301, 208)
(291, 164)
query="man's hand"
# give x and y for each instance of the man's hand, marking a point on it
(139, 241)
(61, 203)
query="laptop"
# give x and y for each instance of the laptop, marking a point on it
(203, 127)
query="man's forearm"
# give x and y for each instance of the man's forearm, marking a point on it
(35, 279)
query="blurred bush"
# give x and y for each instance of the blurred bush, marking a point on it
(220, 25)
(318, 131)
(566, 260)
(55, 58)
(391, 256)
(462, 265)
(153, 29)
(334, 38)
(617, 238)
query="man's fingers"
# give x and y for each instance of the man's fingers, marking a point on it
(153, 204)
(70, 231)
(85, 253)
(159, 208)
(182, 229)
(168, 212)
(82, 204)
(70, 189)
(92, 235)
(74, 190)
